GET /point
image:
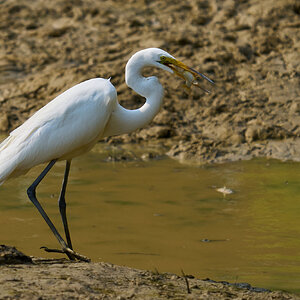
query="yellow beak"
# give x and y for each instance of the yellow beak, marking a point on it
(190, 75)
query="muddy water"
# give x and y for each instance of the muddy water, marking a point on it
(167, 216)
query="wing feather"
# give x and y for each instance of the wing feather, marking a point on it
(65, 127)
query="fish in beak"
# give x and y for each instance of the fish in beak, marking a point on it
(190, 75)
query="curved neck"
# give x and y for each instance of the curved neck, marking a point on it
(124, 120)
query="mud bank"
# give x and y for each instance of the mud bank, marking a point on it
(250, 48)
(24, 277)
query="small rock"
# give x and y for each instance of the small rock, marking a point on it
(236, 138)
(250, 134)
(10, 255)
(59, 27)
(246, 50)
(295, 107)
(255, 132)
(148, 156)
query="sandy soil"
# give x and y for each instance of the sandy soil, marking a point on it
(22, 277)
(251, 49)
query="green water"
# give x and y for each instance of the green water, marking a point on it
(168, 216)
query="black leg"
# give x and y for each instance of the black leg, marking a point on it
(62, 204)
(32, 196)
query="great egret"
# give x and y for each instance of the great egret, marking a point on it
(72, 123)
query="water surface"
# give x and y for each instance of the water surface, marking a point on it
(162, 215)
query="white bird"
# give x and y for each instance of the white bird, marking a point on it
(73, 122)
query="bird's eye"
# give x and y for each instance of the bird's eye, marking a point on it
(163, 60)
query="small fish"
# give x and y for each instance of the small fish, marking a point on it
(191, 77)
(224, 191)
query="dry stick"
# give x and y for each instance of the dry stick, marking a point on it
(186, 281)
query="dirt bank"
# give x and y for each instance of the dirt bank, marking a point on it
(62, 279)
(250, 48)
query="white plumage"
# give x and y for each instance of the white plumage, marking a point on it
(66, 127)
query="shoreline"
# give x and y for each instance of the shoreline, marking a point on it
(61, 279)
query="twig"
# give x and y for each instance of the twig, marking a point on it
(156, 272)
(186, 282)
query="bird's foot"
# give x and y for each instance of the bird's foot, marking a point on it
(69, 252)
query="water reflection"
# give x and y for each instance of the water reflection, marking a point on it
(167, 216)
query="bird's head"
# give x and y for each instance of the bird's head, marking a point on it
(159, 58)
